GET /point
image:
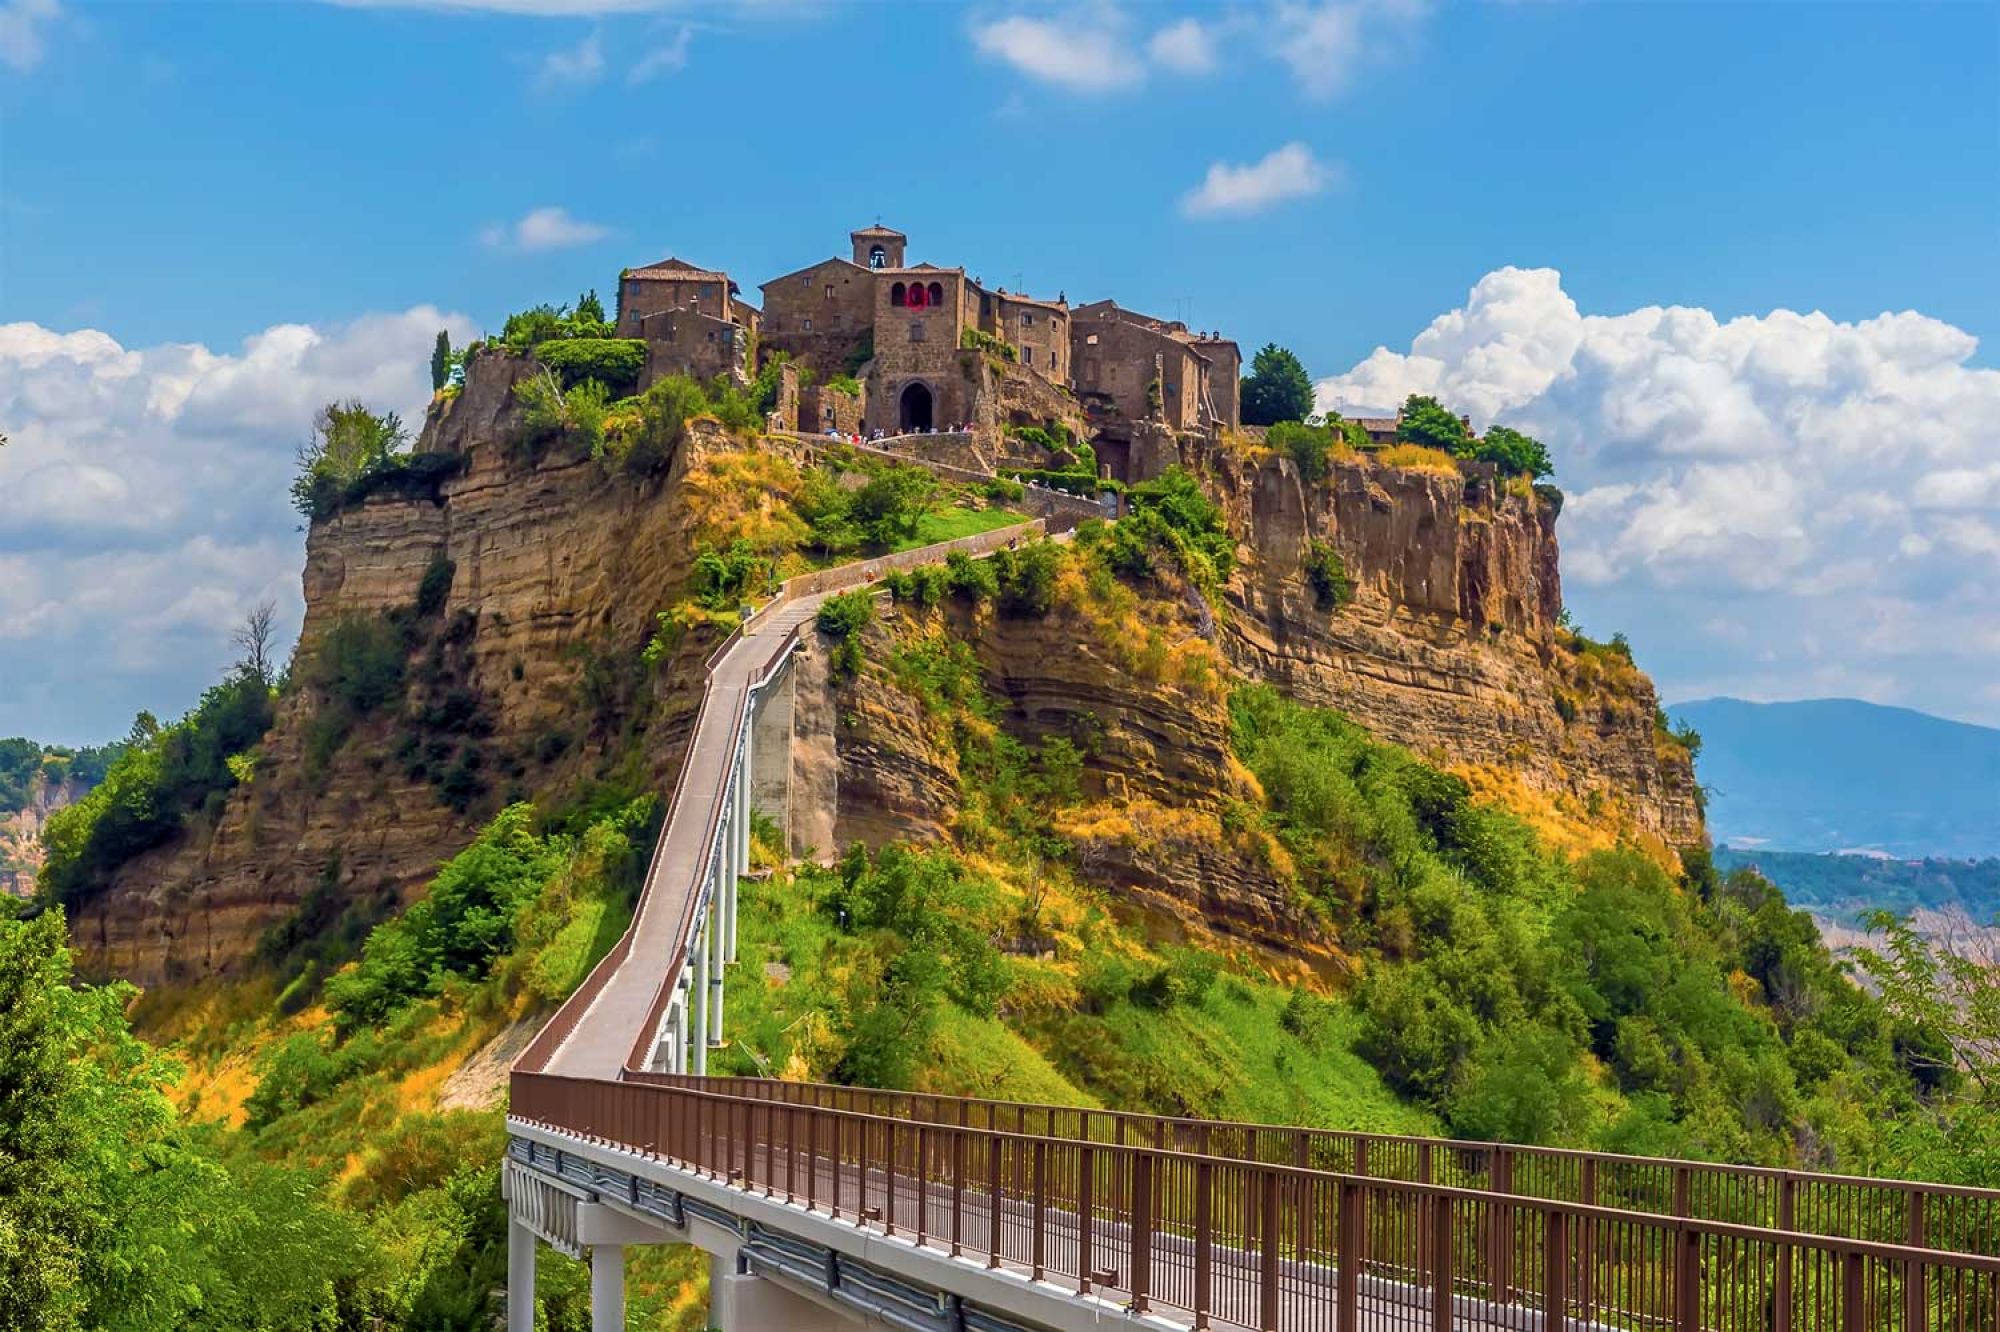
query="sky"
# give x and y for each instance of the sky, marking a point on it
(1738, 264)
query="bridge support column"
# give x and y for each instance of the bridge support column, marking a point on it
(679, 1062)
(607, 1288)
(742, 1303)
(520, 1277)
(715, 970)
(698, 1021)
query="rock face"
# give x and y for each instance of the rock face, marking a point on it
(556, 567)
(1451, 644)
(21, 834)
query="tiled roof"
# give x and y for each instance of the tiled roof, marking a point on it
(1375, 425)
(675, 270)
(814, 268)
(879, 230)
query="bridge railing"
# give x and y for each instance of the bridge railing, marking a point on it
(1925, 1215)
(1267, 1245)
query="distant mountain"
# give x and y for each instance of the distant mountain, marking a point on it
(1838, 774)
(1844, 888)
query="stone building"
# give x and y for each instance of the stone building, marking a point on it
(823, 314)
(692, 320)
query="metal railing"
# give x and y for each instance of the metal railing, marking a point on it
(1265, 1245)
(1938, 1216)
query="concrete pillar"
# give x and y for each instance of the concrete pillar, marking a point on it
(607, 1288)
(520, 1277)
(738, 1302)
(699, 1044)
(715, 970)
(771, 753)
(679, 1062)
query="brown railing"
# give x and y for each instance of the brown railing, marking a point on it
(1266, 1245)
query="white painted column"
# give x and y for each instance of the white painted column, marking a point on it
(741, 792)
(700, 1020)
(607, 1288)
(520, 1276)
(715, 970)
(679, 1063)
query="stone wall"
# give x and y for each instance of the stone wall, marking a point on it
(839, 322)
(822, 409)
(683, 342)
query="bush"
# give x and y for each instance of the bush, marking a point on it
(975, 339)
(1026, 577)
(435, 586)
(615, 363)
(349, 444)
(723, 580)
(551, 413)
(1327, 573)
(973, 580)
(1172, 516)
(1426, 421)
(1310, 447)
(842, 618)
(359, 664)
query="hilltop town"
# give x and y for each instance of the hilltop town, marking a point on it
(879, 345)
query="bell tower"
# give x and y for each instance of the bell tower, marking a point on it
(878, 247)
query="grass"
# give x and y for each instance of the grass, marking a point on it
(953, 523)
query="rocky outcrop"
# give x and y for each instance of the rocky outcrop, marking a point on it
(21, 834)
(1451, 644)
(557, 566)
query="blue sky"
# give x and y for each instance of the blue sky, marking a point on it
(1335, 175)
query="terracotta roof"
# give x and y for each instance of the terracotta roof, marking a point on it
(1375, 425)
(814, 268)
(675, 270)
(1016, 298)
(879, 230)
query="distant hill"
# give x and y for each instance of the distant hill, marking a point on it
(1838, 774)
(1842, 888)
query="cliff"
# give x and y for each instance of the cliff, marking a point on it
(519, 592)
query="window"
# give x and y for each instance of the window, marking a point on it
(1027, 356)
(897, 295)
(1027, 319)
(1090, 341)
(829, 291)
(916, 330)
(878, 258)
(937, 293)
(809, 325)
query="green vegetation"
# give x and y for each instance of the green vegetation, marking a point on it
(1169, 519)
(842, 617)
(26, 766)
(441, 360)
(1276, 389)
(613, 362)
(1326, 572)
(1844, 887)
(165, 776)
(1311, 447)
(354, 453)
(527, 330)
(1426, 422)
(977, 339)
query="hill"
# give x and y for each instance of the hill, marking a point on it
(1839, 774)
(1841, 888)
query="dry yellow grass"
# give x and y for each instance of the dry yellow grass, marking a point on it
(1416, 457)
(744, 494)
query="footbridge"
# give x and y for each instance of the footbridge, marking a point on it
(830, 1208)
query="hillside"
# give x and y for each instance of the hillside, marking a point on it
(1840, 774)
(477, 629)
(36, 780)
(1842, 888)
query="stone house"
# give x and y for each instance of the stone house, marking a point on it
(692, 320)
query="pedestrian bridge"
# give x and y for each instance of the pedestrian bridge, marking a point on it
(834, 1208)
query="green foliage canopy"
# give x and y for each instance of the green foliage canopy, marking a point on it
(1277, 388)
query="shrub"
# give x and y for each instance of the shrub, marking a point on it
(1426, 421)
(842, 618)
(551, 413)
(973, 580)
(723, 579)
(1327, 573)
(359, 664)
(1027, 577)
(1310, 447)
(1172, 516)
(847, 384)
(1514, 453)
(613, 362)
(435, 586)
(975, 339)
(889, 508)
(349, 443)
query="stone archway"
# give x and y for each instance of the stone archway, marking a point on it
(915, 408)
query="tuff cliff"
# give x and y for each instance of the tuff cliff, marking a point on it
(522, 590)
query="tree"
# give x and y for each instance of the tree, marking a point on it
(348, 443)
(1424, 420)
(1277, 388)
(253, 639)
(588, 307)
(1511, 451)
(441, 360)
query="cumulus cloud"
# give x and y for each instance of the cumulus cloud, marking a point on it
(1186, 47)
(669, 57)
(1086, 52)
(23, 32)
(1829, 483)
(1330, 45)
(543, 229)
(1290, 172)
(144, 507)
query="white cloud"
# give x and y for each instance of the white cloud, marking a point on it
(543, 229)
(1088, 52)
(1332, 45)
(1290, 172)
(1186, 47)
(144, 506)
(23, 39)
(573, 66)
(667, 58)
(1830, 483)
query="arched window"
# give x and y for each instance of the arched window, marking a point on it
(878, 257)
(916, 300)
(896, 294)
(937, 293)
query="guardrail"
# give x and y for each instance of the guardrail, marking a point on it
(1271, 1246)
(1937, 1216)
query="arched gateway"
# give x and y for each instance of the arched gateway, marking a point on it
(915, 409)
